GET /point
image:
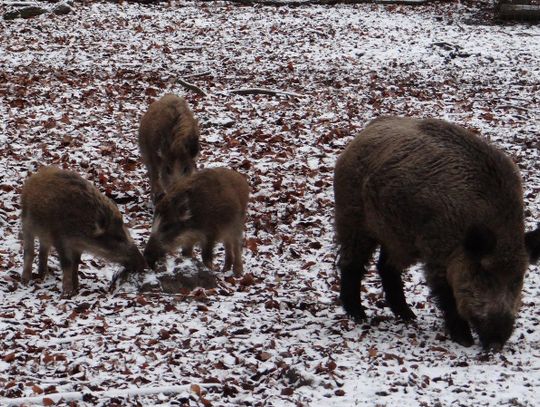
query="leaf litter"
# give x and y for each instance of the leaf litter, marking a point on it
(72, 92)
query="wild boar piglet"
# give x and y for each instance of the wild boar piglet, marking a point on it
(66, 212)
(169, 142)
(207, 207)
(430, 191)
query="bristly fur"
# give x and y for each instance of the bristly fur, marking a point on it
(169, 142)
(64, 210)
(430, 191)
(207, 207)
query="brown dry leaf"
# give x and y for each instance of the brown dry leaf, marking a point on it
(11, 384)
(287, 391)
(48, 401)
(164, 334)
(372, 352)
(195, 388)
(48, 358)
(206, 403)
(10, 357)
(271, 304)
(264, 356)
(19, 103)
(251, 244)
(49, 123)
(201, 307)
(141, 300)
(129, 165)
(247, 280)
(151, 92)
(66, 141)
(36, 389)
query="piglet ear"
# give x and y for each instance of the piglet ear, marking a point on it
(192, 144)
(532, 243)
(479, 241)
(102, 224)
(181, 208)
(185, 213)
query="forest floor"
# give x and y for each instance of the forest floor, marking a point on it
(72, 91)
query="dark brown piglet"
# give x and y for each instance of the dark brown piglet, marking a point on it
(207, 207)
(169, 142)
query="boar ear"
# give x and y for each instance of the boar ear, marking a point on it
(479, 241)
(532, 243)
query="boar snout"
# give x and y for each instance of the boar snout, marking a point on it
(494, 331)
(136, 261)
(153, 252)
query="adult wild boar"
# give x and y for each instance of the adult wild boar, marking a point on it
(169, 142)
(66, 211)
(207, 207)
(430, 191)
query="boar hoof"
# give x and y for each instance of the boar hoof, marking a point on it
(493, 347)
(40, 276)
(405, 314)
(461, 333)
(356, 313)
(66, 294)
(25, 280)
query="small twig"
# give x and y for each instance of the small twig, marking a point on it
(189, 48)
(191, 87)
(523, 109)
(263, 91)
(197, 74)
(75, 395)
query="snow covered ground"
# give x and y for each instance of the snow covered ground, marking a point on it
(72, 91)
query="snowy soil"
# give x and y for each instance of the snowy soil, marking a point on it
(72, 91)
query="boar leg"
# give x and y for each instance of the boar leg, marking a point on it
(229, 255)
(393, 287)
(354, 255)
(28, 239)
(44, 249)
(75, 270)
(155, 185)
(238, 267)
(69, 261)
(458, 328)
(233, 256)
(208, 252)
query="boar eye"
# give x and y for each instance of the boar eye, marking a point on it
(168, 169)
